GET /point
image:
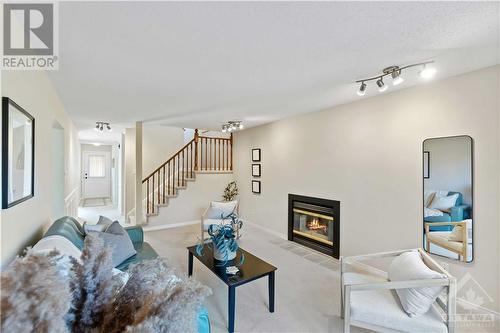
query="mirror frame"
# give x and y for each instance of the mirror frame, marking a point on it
(472, 195)
(7, 104)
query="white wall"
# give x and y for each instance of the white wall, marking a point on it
(129, 169)
(22, 224)
(450, 166)
(57, 171)
(368, 155)
(159, 143)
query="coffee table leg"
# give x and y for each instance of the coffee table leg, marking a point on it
(230, 310)
(271, 292)
(190, 263)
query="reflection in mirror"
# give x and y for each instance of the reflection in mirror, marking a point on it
(19, 155)
(447, 173)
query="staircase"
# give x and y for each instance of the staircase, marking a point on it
(200, 155)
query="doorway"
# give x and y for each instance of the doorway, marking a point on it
(101, 169)
(96, 176)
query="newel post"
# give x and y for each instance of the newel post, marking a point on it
(231, 142)
(196, 149)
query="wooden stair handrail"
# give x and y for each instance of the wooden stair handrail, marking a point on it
(202, 153)
(167, 161)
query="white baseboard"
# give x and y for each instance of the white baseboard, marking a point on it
(170, 226)
(272, 232)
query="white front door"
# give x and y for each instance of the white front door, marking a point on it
(96, 174)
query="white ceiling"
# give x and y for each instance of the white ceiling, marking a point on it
(198, 64)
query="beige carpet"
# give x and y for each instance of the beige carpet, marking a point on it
(307, 285)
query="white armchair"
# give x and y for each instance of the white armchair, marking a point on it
(368, 298)
(215, 213)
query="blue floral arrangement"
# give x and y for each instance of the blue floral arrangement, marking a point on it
(223, 238)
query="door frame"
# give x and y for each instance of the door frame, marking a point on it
(108, 166)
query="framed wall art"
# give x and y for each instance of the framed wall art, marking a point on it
(256, 186)
(18, 154)
(256, 155)
(256, 170)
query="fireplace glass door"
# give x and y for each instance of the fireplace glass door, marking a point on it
(313, 222)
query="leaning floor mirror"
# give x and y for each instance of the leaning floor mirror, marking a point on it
(448, 197)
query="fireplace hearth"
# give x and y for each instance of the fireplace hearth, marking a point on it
(315, 223)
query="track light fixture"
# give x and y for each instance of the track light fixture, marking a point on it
(99, 126)
(427, 72)
(362, 89)
(232, 125)
(396, 77)
(381, 85)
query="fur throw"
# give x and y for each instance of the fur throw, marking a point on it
(36, 297)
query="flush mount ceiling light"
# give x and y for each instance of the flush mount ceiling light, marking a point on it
(100, 126)
(232, 125)
(427, 72)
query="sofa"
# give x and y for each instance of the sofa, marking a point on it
(72, 230)
(458, 213)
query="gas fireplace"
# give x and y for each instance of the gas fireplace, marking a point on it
(315, 223)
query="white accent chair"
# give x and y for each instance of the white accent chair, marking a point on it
(368, 298)
(214, 212)
(462, 247)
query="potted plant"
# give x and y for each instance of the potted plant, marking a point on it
(230, 192)
(223, 240)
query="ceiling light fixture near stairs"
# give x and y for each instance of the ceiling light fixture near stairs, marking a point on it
(100, 126)
(232, 125)
(427, 72)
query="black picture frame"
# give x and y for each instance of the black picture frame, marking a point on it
(427, 164)
(256, 156)
(256, 170)
(8, 107)
(256, 186)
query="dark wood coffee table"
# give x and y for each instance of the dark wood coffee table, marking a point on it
(253, 268)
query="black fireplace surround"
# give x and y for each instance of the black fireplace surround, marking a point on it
(315, 223)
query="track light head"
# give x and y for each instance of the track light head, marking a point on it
(362, 89)
(427, 72)
(108, 127)
(96, 128)
(232, 125)
(396, 77)
(381, 85)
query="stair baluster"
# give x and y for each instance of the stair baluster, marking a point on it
(199, 154)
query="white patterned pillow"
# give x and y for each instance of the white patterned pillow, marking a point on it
(444, 204)
(221, 208)
(410, 266)
(428, 197)
(432, 212)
